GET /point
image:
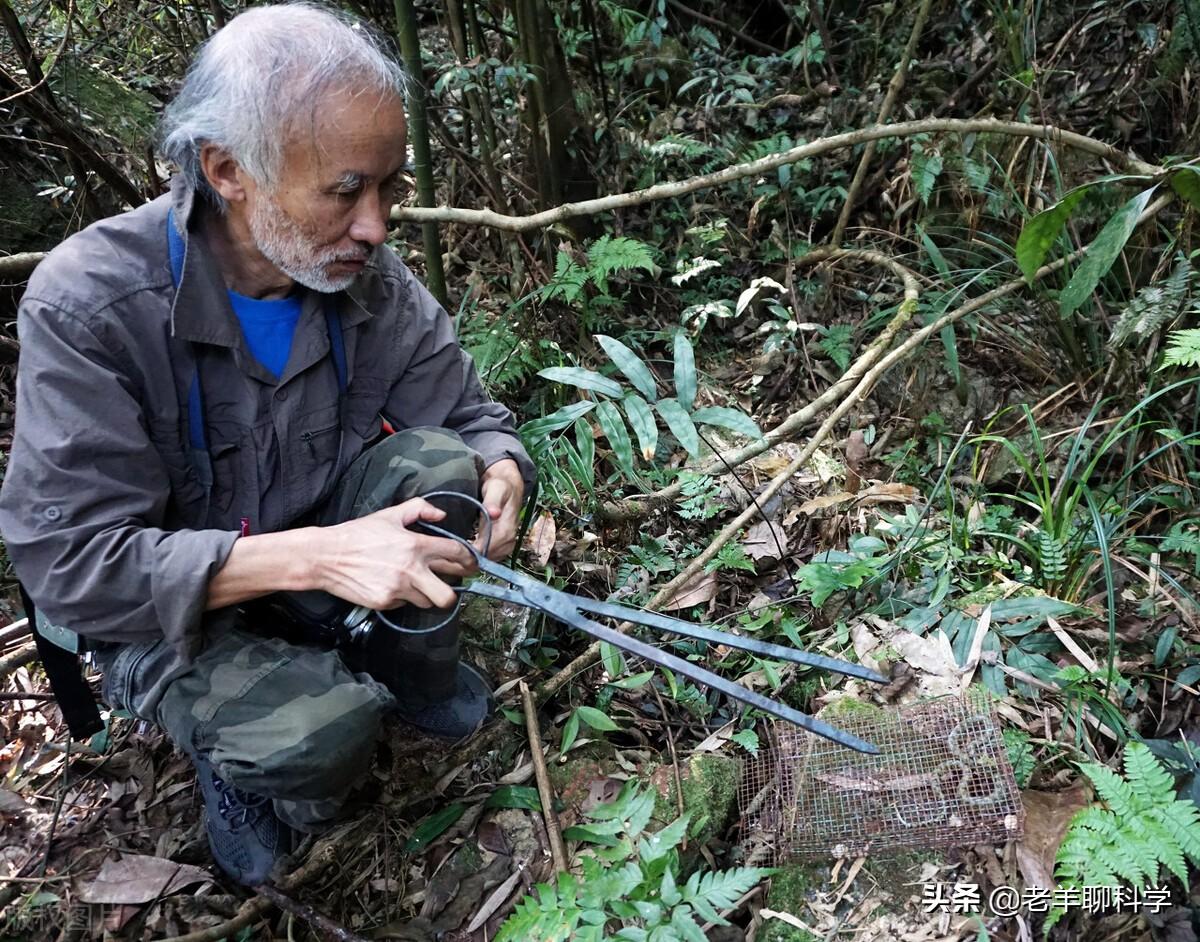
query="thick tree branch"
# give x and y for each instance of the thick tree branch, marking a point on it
(824, 145)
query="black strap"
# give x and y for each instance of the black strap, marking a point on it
(74, 696)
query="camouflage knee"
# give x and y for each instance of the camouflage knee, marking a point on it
(277, 719)
(408, 464)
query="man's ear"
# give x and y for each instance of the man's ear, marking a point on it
(223, 173)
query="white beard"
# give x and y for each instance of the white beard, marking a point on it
(286, 246)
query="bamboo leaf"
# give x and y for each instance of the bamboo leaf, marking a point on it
(631, 365)
(732, 419)
(614, 430)
(680, 424)
(641, 420)
(433, 827)
(556, 421)
(685, 371)
(1102, 253)
(1186, 182)
(583, 379)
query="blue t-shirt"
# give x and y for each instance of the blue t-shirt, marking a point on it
(268, 327)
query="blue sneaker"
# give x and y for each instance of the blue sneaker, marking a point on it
(246, 837)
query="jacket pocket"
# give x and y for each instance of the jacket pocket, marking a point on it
(188, 493)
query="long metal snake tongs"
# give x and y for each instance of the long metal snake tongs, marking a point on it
(567, 608)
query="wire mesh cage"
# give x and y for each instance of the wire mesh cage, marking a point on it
(941, 779)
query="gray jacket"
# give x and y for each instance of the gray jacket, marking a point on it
(102, 510)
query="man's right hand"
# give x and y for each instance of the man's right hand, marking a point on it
(379, 562)
(376, 561)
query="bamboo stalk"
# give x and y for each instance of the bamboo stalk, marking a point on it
(557, 849)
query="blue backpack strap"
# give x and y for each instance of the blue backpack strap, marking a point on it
(175, 248)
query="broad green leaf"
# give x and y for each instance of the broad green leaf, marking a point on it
(591, 833)
(570, 733)
(1040, 232)
(1102, 253)
(596, 719)
(641, 420)
(655, 846)
(685, 371)
(614, 661)
(680, 424)
(433, 827)
(1166, 642)
(556, 421)
(732, 419)
(515, 796)
(634, 681)
(584, 379)
(631, 365)
(614, 430)
(1186, 182)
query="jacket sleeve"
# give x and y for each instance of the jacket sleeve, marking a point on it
(85, 495)
(440, 386)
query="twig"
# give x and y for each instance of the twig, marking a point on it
(824, 145)
(885, 112)
(18, 658)
(674, 758)
(557, 849)
(18, 629)
(251, 911)
(319, 921)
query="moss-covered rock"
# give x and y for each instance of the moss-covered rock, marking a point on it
(709, 792)
(789, 889)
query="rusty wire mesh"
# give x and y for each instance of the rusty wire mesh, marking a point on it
(941, 779)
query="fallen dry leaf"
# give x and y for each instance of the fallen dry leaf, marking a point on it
(540, 541)
(696, 591)
(890, 493)
(933, 658)
(765, 540)
(1047, 815)
(825, 501)
(138, 878)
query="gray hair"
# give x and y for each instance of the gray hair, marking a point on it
(253, 78)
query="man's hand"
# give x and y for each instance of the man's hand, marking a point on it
(377, 561)
(502, 490)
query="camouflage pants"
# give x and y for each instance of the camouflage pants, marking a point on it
(289, 720)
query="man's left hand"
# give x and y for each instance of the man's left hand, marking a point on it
(502, 490)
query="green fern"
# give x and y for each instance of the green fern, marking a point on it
(1183, 349)
(1142, 829)
(1153, 306)
(608, 255)
(836, 344)
(1052, 558)
(1020, 756)
(1184, 538)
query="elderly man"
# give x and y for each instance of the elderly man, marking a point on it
(199, 471)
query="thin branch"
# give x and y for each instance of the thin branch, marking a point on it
(885, 112)
(18, 658)
(824, 145)
(558, 850)
(326, 927)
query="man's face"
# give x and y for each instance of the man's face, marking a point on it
(329, 207)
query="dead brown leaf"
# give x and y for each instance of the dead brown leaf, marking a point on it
(540, 541)
(138, 878)
(765, 540)
(1047, 815)
(696, 591)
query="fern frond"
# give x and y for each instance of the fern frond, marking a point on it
(608, 255)
(1166, 846)
(1150, 784)
(1184, 348)
(1052, 558)
(1112, 788)
(1182, 820)
(1152, 307)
